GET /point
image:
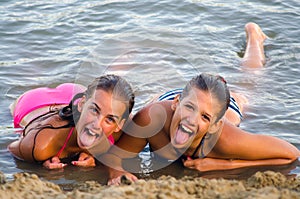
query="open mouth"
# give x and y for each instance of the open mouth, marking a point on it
(182, 134)
(88, 138)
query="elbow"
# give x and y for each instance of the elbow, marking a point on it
(13, 148)
(40, 157)
(293, 155)
(289, 151)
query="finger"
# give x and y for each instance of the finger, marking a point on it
(85, 163)
(79, 163)
(49, 165)
(189, 164)
(55, 159)
(109, 182)
(83, 156)
(133, 178)
(114, 181)
(57, 166)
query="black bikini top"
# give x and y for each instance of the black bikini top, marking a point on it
(198, 147)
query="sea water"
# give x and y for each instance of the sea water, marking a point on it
(156, 46)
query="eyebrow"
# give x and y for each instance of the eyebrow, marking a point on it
(207, 114)
(110, 115)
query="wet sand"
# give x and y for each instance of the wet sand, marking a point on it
(266, 184)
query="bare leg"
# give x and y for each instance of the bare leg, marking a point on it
(254, 55)
(254, 58)
(232, 116)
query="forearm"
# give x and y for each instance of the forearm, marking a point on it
(114, 166)
(249, 146)
(208, 164)
(233, 164)
(112, 161)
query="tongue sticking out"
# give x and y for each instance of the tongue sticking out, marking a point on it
(181, 137)
(87, 139)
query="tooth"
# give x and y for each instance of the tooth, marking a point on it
(90, 132)
(186, 129)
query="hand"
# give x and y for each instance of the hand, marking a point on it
(54, 163)
(118, 177)
(200, 164)
(85, 160)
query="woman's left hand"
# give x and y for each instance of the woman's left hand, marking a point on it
(200, 164)
(208, 164)
(54, 163)
(85, 160)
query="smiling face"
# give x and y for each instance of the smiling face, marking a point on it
(101, 115)
(194, 115)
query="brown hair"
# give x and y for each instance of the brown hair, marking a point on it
(214, 84)
(120, 88)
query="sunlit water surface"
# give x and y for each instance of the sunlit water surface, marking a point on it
(156, 45)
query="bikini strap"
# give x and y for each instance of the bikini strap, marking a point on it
(198, 147)
(38, 117)
(65, 143)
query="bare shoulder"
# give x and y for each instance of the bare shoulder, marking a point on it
(230, 137)
(149, 119)
(42, 139)
(153, 112)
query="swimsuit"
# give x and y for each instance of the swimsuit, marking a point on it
(65, 143)
(41, 97)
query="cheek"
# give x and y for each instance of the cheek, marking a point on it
(203, 126)
(180, 113)
(85, 118)
(176, 119)
(108, 129)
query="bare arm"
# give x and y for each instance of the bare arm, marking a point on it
(146, 123)
(209, 164)
(14, 149)
(236, 143)
(37, 146)
(126, 147)
(237, 148)
(25, 148)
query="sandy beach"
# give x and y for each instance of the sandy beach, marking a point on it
(266, 184)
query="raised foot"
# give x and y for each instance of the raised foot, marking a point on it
(254, 32)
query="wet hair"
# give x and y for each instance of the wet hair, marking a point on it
(215, 85)
(114, 84)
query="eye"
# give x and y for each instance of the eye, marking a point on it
(207, 118)
(189, 107)
(110, 120)
(94, 110)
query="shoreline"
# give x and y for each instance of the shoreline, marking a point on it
(267, 184)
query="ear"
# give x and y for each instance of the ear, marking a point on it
(81, 103)
(175, 102)
(216, 127)
(119, 126)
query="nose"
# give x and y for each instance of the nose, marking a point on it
(97, 123)
(192, 118)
